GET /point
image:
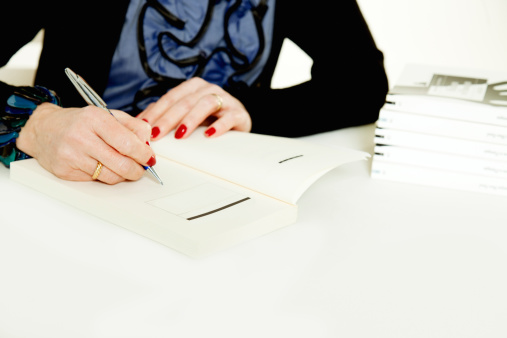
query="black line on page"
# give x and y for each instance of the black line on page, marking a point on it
(216, 210)
(290, 158)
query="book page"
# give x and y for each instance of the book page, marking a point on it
(192, 212)
(279, 167)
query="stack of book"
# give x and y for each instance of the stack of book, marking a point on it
(445, 128)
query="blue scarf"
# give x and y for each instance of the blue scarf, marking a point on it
(165, 42)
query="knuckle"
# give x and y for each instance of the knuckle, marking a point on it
(166, 99)
(127, 146)
(90, 112)
(211, 100)
(129, 169)
(123, 166)
(216, 88)
(186, 103)
(195, 81)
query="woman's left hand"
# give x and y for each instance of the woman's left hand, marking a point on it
(193, 103)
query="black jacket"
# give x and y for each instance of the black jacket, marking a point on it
(348, 84)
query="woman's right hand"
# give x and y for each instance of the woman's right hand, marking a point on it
(69, 142)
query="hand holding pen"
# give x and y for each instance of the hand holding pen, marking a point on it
(92, 98)
(69, 142)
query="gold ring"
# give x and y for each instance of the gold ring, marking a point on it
(219, 101)
(97, 171)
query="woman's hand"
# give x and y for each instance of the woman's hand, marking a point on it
(192, 103)
(69, 142)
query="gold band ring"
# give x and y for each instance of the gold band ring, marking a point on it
(219, 101)
(97, 171)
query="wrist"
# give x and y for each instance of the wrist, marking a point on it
(17, 111)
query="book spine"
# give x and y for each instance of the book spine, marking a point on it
(441, 161)
(448, 108)
(442, 127)
(404, 173)
(488, 151)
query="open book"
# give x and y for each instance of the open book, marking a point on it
(217, 192)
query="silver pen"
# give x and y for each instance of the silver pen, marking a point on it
(92, 98)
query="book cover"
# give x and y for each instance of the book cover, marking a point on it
(487, 87)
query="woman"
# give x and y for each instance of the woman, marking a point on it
(176, 65)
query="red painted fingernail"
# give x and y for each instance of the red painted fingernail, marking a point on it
(154, 132)
(145, 120)
(148, 142)
(152, 161)
(181, 131)
(210, 132)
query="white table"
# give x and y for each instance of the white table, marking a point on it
(366, 258)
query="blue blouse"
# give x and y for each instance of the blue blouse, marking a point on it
(165, 42)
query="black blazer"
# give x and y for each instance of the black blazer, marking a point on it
(348, 85)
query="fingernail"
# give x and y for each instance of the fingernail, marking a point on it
(154, 132)
(152, 161)
(148, 143)
(181, 131)
(145, 120)
(209, 132)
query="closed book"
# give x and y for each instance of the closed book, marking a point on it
(443, 144)
(448, 108)
(442, 161)
(437, 126)
(412, 174)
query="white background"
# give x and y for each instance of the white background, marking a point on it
(458, 33)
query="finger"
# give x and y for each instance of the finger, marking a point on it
(124, 142)
(100, 172)
(206, 106)
(117, 163)
(156, 110)
(175, 114)
(85, 170)
(145, 113)
(233, 120)
(138, 126)
(168, 111)
(220, 126)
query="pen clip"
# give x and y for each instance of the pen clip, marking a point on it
(88, 94)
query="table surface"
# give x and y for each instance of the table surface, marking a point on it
(366, 258)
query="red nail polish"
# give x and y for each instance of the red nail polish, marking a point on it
(154, 132)
(210, 132)
(145, 120)
(152, 161)
(148, 142)
(181, 131)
